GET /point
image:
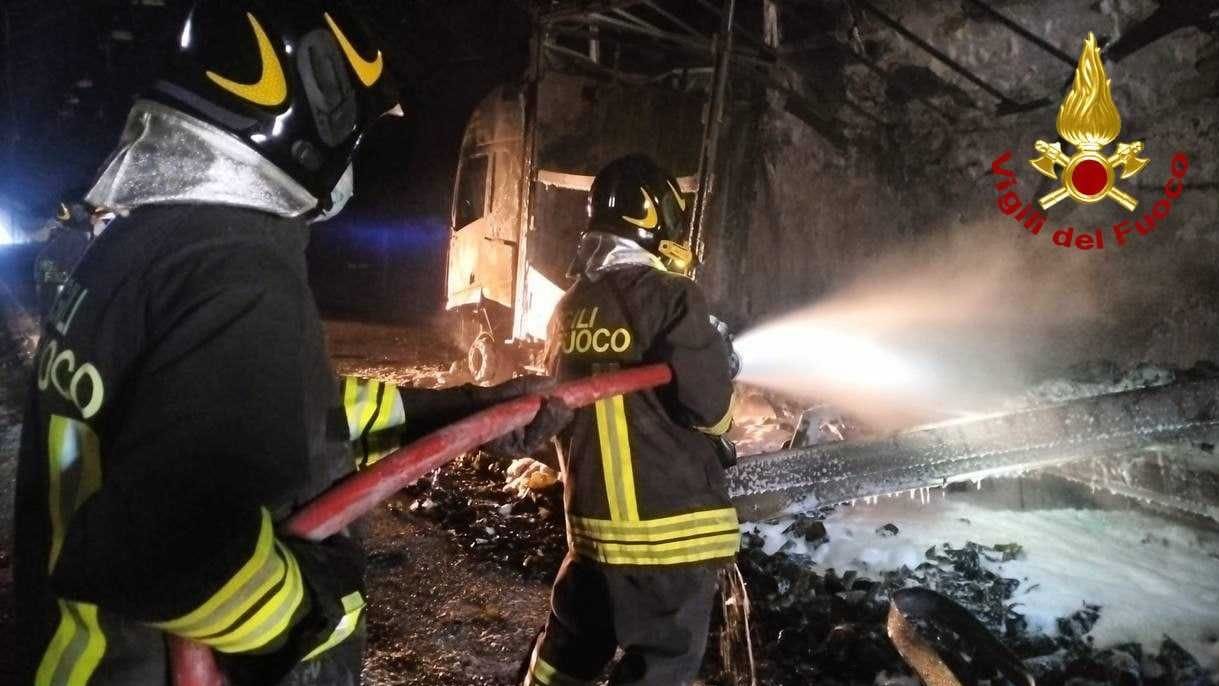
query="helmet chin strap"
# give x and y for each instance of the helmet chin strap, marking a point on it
(343, 191)
(676, 257)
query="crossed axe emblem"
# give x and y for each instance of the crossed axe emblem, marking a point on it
(1089, 176)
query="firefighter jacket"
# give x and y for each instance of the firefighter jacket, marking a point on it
(182, 405)
(644, 485)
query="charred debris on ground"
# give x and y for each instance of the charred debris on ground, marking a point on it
(809, 623)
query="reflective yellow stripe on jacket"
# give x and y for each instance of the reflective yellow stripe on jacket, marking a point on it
(625, 538)
(74, 473)
(616, 459)
(680, 539)
(254, 607)
(372, 407)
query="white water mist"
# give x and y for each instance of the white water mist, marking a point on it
(946, 328)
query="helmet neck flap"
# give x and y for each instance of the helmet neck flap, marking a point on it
(166, 156)
(600, 252)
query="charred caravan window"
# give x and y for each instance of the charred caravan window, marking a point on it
(472, 191)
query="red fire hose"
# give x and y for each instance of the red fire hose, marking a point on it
(326, 515)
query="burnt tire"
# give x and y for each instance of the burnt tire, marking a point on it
(484, 360)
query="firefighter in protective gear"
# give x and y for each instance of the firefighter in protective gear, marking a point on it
(649, 521)
(183, 402)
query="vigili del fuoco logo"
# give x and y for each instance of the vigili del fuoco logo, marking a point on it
(1088, 119)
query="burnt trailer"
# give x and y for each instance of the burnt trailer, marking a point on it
(602, 84)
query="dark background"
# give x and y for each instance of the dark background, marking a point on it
(71, 70)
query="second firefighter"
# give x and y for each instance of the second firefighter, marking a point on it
(649, 521)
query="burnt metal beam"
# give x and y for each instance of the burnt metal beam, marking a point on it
(527, 190)
(865, 112)
(632, 42)
(574, 9)
(1037, 438)
(698, 58)
(1170, 16)
(671, 40)
(589, 63)
(890, 80)
(1024, 33)
(673, 19)
(658, 34)
(799, 106)
(711, 134)
(753, 37)
(627, 16)
(1005, 102)
(827, 127)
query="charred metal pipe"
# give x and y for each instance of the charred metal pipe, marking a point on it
(1104, 425)
(346, 501)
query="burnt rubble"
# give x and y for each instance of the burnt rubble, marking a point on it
(524, 532)
(816, 625)
(810, 624)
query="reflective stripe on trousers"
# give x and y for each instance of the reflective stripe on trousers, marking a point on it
(542, 673)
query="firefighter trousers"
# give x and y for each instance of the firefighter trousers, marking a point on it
(659, 618)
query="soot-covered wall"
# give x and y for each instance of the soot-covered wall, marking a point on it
(867, 147)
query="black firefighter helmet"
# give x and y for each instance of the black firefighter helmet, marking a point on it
(634, 198)
(297, 80)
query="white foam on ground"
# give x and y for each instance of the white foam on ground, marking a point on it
(1151, 577)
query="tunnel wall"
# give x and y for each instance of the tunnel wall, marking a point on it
(802, 208)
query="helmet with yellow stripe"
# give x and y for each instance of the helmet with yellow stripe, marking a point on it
(300, 81)
(635, 198)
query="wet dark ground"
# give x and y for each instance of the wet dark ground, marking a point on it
(438, 615)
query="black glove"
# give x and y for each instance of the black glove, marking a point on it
(734, 360)
(725, 450)
(513, 388)
(332, 570)
(526, 441)
(429, 409)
